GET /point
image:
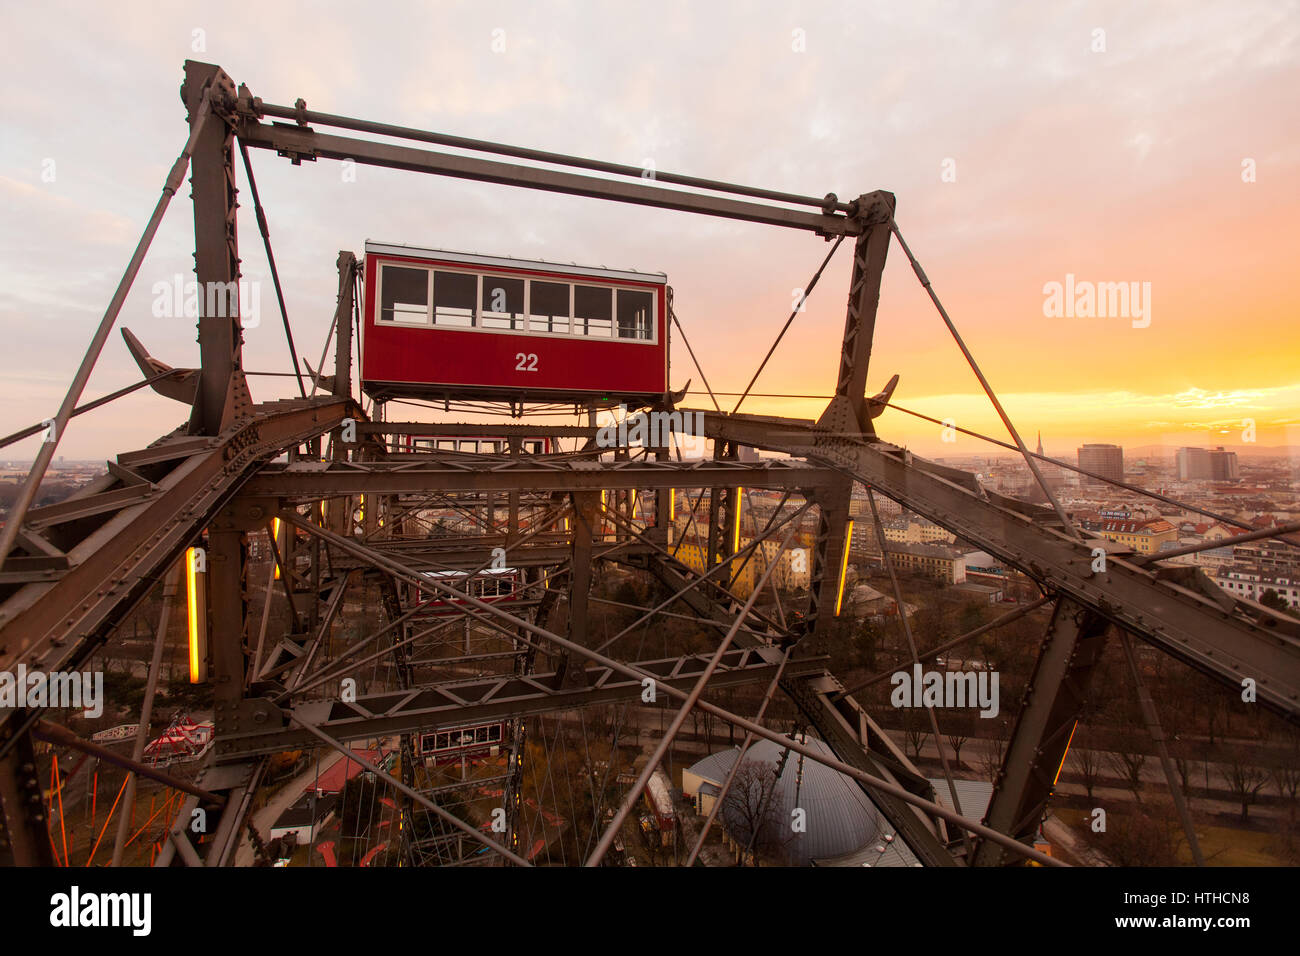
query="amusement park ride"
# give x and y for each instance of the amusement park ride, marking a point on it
(462, 332)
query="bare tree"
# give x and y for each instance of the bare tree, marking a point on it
(915, 729)
(1286, 771)
(1287, 779)
(1127, 761)
(1179, 752)
(991, 760)
(1245, 781)
(1088, 760)
(958, 733)
(1142, 837)
(753, 811)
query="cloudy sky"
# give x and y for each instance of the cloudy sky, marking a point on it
(1115, 142)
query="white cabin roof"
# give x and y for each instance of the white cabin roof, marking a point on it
(541, 265)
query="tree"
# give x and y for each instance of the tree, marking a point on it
(915, 729)
(866, 639)
(991, 761)
(1286, 770)
(1142, 837)
(753, 811)
(1271, 599)
(1286, 777)
(1179, 752)
(1087, 758)
(1127, 761)
(1245, 781)
(958, 732)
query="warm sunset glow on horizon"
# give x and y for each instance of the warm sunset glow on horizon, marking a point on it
(1018, 153)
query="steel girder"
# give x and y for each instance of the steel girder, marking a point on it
(829, 554)
(586, 513)
(476, 430)
(52, 626)
(464, 559)
(1053, 700)
(869, 252)
(24, 835)
(222, 395)
(308, 480)
(724, 517)
(299, 143)
(264, 728)
(1169, 609)
(236, 783)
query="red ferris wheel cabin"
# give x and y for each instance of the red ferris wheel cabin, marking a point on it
(451, 325)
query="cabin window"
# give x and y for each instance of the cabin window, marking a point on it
(532, 447)
(453, 299)
(634, 309)
(549, 306)
(503, 303)
(405, 296)
(478, 301)
(593, 311)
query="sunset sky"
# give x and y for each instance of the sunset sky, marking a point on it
(1122, 164)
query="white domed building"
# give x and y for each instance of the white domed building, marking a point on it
(813, 814)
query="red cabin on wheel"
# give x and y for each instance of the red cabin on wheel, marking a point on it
(451, 325)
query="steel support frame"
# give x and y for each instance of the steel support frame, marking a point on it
(300, 143)
(829, 555)
(876, 218)
(500, 697)
(1195, 625)
(1053, 701)
(222, 394)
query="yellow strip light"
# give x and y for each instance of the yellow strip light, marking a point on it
(735, 536)
(1067, 751)
(275, 534)
(196, 599)
(844, 567)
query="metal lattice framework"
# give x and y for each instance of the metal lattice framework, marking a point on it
(362, 522)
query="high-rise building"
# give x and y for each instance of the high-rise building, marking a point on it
(1104, 460)
(1207, 464)
(1193, 464)
(1223, 465)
